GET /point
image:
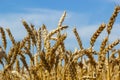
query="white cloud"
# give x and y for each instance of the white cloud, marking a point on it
(51, 18)
(117, 2)
(13, 21)
(86, 32)
(38, 17)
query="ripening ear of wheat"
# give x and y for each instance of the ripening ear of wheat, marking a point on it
(112, 19)
(11, 36)
(35, 57)
(4, 41)
(96, 34)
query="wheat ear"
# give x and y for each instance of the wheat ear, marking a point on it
(29, 31)
(62, 19)
(96, 34)
(78, 38)
(112, 19)
(4, 41)
(10, 36)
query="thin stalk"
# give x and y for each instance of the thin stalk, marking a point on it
(108, 69)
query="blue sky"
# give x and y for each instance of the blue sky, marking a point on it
(85, 15)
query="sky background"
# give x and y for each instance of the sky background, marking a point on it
(85, 15)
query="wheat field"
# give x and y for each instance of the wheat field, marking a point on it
(52, 61)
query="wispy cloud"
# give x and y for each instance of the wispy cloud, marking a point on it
(114, 1)
(50, 17)
(86, 32)
(38, 17)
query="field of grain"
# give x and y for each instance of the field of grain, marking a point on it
(52, 61)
